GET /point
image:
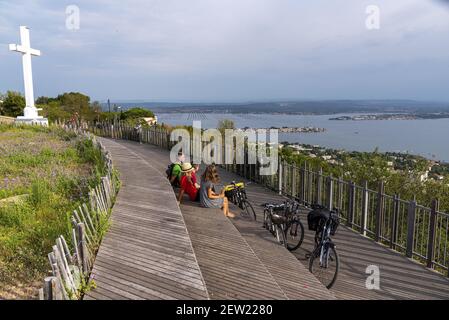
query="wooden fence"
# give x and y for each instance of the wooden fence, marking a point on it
(70, 269)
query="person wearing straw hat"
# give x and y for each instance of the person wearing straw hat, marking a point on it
(188, 183)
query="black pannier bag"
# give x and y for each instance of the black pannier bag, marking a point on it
(317, 218)
(230, 195)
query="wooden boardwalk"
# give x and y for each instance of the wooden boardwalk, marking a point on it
(229, 254)
(233, 265)
(147, 253)
(239, 267)
(400, 278)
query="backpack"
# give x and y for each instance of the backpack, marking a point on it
(169, 171)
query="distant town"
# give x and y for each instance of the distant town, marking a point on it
(404, 116)
(418, 166)
(293, 129)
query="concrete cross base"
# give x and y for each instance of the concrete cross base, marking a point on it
(33, 121)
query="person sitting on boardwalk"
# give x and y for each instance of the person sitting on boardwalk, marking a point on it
(188, 183)
(208, 197)
(175, 170)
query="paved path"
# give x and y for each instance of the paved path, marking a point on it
(400, 278)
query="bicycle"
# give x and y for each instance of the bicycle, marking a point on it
(324, 262)
(236, 193)
(283, 221)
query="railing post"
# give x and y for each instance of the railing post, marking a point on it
(303, 184)
(294, 181)
(245, 161)
(309, 186)
(351, 204)
(394, 222)
(319, 189)
(410, 228)
(330, 193)
(431, 242)
(340, 193)
(379, 212)
(280, 177)
(365, 201)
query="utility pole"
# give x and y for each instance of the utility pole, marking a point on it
(109, 106)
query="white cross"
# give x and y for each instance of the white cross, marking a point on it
(27, 52)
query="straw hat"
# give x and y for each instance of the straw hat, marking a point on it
(187, 167)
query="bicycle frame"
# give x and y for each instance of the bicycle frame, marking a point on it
(324, 245)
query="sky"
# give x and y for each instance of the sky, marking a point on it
(231, 50)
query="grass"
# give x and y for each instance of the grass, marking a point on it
(44, 174)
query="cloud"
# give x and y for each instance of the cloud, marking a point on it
(229, 49)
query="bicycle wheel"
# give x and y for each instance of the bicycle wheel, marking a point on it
(327, 270)
(266, 219)
(250, 210)
(294, 235)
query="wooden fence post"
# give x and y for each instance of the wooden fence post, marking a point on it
(82, 248)
(410, 228)
(379, 212)
(431, 242)
(48, 288)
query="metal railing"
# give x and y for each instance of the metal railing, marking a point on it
(418, 232)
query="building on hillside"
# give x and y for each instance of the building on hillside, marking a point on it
(151, 121)
(424, 177)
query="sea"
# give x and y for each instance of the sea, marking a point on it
(428, 138)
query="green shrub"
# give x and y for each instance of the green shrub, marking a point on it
(51, 172)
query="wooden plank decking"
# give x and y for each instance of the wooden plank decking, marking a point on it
(147, 253)
(400, 278)
(233, 265)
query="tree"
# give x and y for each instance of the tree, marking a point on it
(53, 111)
(45, 100)
(2, 98)
(136, 113)
(225, 124)
(13, 104)
(76, 103)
